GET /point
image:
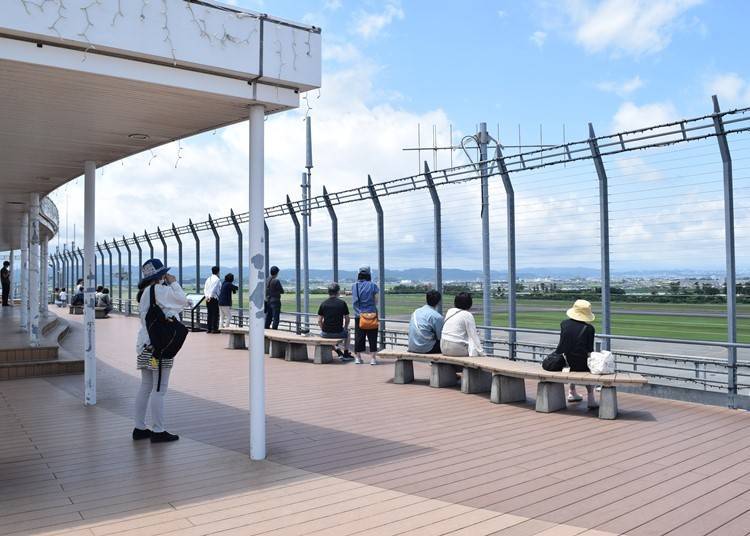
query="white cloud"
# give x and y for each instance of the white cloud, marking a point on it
(730, 88)
(633, 27)
(369, 25)
(623, 88)
(341, 52)
(501, 13)
(332, 5)
(630, 116)
(538, 38)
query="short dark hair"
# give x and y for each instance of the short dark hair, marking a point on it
(79, 282)
(463, 301)
(215, 270)
(229, 277)
(99, 288)
(333, 289)
(433, 297)
(6, 263)
(105, 291)
(274, 270)
(364, 276)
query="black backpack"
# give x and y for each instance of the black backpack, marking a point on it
(167, 334)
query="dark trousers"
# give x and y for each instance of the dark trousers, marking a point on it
(363, 336)
(213, 314)
(6, 293)
(273, 311)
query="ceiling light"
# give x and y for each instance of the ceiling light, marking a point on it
(16, 203)
(140, 137)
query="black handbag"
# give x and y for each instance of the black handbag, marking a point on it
(556, 362)
(167, 334)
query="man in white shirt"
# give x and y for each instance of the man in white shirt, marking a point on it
(211, 289)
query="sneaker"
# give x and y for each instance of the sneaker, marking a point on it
(338, 352)
(373, 361)
(574, 397)
(163, 437)
(357, 361)
(346, 358)
(141, 434)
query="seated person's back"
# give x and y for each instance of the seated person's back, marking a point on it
(425, 326)
(459, 336)
(333, 311)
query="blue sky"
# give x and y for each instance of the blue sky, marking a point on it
(390, 66)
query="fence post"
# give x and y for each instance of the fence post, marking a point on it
(80, 256)
(130, 275)
(239, 264)
(66, 269)
(163, 245)
(140, 255)
(297, 268)
(438, 231)
(510, 201)
(179, 253)
(726, 159)
(119, 273)
(381, 257)
(109, 254)
(604, 235)
(334, 234)
(101, 256)
(306, 246)
(197, 260)
(483, 141)
(150, 245)
(217, 259)
(267, 267)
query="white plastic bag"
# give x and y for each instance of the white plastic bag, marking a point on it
(601, 362)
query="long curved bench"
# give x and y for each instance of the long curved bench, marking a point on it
(505, 379)
(287, 345)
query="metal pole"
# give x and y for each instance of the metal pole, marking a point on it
(510, 203)
(130, 275)
(179, 254)
(140, 255)
(79, 252)
(150, 245)
(438, 230)
(726, 159)
(257, 356)
(483, 140)
(101, 254)
(24, 275)
(163, 246)
(238, 229)
(334, 235)
(297, 270)
(109, 255)
(381, 258)
(197, 259)
(217, 242)
(89, 226)
(267, 250)
(119, 275)
(305, 249)
(604, 235)
(34, 315)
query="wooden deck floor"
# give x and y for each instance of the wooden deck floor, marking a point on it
(351, 453)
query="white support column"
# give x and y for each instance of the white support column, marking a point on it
(257, 287)
(89, 283)
(23, 275)
(34, 331)
(43, 277)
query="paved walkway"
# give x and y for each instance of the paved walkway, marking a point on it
(351, 453)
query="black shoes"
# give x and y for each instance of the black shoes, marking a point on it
(347, 356)
(163, 437)
(141, 434)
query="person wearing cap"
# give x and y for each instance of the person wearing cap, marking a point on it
(171, 298)
(364, 295)
(274, 290)
(333, 320)
(576, 343)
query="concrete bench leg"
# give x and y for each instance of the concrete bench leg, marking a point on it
(550, 396)
(608, 403)
(443, 375)
(323, 355)
(278, 349)
(475, 381)
(237, 341)
(506, 389)
(266, 346)
(404, 372)
(296, 352)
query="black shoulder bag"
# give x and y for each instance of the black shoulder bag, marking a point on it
(167, 334)
(555, 361)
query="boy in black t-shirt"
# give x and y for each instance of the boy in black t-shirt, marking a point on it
(333, 320)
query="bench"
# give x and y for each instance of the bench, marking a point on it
(504, 379)
(100, 312)
(287, 345)
(75, 309)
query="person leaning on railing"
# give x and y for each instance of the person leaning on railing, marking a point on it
(225, 300)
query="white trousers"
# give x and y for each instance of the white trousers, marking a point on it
(146, 392)
(226, 316)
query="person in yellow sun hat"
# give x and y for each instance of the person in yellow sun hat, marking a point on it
(576, 343)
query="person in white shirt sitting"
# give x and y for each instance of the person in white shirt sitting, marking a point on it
(459, 337)
(211, 289)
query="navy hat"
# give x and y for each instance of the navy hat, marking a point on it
(153, 269)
